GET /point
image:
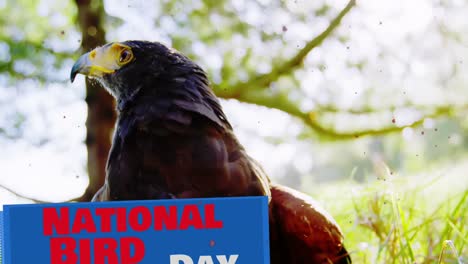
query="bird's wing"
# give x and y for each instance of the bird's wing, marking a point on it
(299, 225)
(162, 150)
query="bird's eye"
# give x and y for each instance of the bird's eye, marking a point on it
(125, 56)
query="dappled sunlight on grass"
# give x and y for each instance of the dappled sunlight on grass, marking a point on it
(402, 219)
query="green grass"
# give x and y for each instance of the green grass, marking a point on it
(403, 219)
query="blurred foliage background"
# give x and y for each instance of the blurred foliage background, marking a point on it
(362, 105)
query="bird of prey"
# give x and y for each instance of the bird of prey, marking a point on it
(172, 140)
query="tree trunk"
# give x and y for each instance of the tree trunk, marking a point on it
(101, 110)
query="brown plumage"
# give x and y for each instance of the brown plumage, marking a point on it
(301, 231)
(172, 140)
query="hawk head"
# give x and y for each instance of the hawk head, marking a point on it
(141, 68)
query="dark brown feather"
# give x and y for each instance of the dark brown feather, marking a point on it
(166, 151)
(301, 231)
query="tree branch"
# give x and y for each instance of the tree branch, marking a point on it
(254, 91)
(282, 103)
(367, 109)
(77, 199)
(309, 119)
(263, 81)
(21, 196)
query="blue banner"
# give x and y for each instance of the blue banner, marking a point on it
(185, 231)
(1, 236)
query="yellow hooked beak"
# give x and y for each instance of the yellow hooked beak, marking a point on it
(102, 60)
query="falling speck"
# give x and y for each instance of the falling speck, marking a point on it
(347, 47)
(422, 132)
(393, 120)
(380, 22)
(212, 243)
(391, 173)
(77, 176)
(435, 146)
(64, 117)
(62, 32)
(284, 29)
(355, 92)
(435, 129)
